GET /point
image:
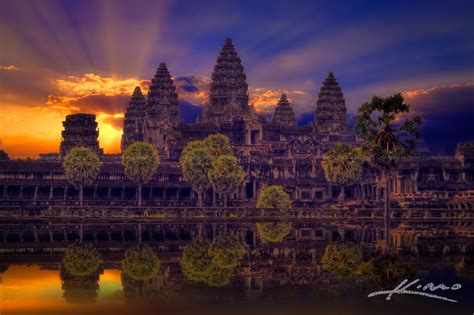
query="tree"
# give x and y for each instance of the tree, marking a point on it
(195, 261)
(273, 232)
(81, 167)
(387, 139)
(342, 166)
(342, 260)
(273, 197)
(226, 175)
(81, 259)
(385, 270)
(226, 251)
(196, 164)
(140, 161)
(218, 145)
(212, 263)
(140, 262)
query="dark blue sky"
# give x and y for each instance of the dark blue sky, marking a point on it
(422, 48)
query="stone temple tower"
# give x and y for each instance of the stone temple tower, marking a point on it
(80, 130)
(162, 110)
(284, 114)
(134, 122)
(331, 111)
(228, 85)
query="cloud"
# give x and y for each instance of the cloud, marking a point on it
(193, 89)
(265, 99)
(10, 68)
(447, 113)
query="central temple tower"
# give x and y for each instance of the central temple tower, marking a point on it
(228, 86)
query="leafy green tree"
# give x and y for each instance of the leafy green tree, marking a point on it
(81, 259)
(342, 260)
(226, 175)
(273, 197)
(140, 161)
(218, 276)
(342, 166)
(212, 263)
(226, 251)
(273, 232)
(195, 261)
(140, 262)
(218, 145)
(388, 139)
(385, 270)
(196, 164)
(81, 167)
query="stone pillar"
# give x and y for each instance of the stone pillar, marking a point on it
(109, 193)
(109, 235)
(81, 233)
(164, 193)
(36, 193)
(35, 234)
(122, 196)
(51, 191)
(139, 232)
(177, 193)
(95, 193)
(50, 236)
(65, 193)
(21, 193)
(151, 194)
(5, 192)
(65, 235)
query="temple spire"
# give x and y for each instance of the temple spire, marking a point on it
(228, 82)
(134, 121)
(331, 111)
(284, 114)
(163, 98)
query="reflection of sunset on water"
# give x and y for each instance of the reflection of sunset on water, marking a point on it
(32, 288)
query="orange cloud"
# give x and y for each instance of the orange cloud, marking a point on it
(415, 93)
(10, 68)
(265, 99)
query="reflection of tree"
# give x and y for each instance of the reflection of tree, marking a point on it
(342, 260)
(79, 289)
(273, 232)
(3, 268)
(81, 259)
(140, 262)
(273, 197)
(385, 270)
(465, 268)
(212, 263)
(156, 287)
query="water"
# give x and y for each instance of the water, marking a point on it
(39, 288)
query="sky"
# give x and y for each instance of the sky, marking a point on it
(63, 57)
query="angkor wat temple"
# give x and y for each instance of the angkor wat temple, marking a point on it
(275, 151)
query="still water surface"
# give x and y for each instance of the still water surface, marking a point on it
(39, 289)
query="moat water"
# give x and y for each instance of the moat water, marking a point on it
(38, 288)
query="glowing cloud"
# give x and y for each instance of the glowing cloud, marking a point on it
(10, 68)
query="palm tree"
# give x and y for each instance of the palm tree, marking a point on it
(387, 139)
(195, 162)
(140, 161)
(81, 167)
(226, 175)
(342, 166)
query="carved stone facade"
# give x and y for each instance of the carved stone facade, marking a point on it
(284, 114)
(271, 152)
(80, 130)
(134, 121)
(229, 88)
(331, 112)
